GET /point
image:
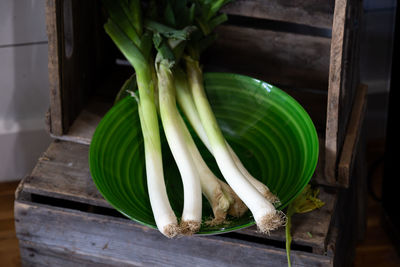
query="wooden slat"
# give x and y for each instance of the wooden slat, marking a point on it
(33, 254)
(335, 80)
(52, 26)
(63, 173)
(351, 70)
(352, 137)
(279, 58)
(342, 89)
(317, 13)
(108, 239)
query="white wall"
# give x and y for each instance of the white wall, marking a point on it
(24, 96)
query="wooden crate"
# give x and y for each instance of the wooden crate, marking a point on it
(309, 48)
(62, 220)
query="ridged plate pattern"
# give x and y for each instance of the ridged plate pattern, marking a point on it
(270, 132)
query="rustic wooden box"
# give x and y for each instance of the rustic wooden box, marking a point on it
(62, 220)
(309, 48)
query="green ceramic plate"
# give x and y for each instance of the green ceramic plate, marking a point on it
(271, 133)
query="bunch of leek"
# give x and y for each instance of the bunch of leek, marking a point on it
(155, 45)
(255, 195)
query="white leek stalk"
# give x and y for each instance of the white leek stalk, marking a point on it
(164, 216)
(264, 213)
(220, 196)
(212, 187)
(192, 205)
(186, 102)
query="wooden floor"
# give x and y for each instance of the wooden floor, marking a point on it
(375, 250)
(9, 252)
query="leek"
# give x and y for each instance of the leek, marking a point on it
(264, 212)
(127, 33)
(186, 102)
(216, 191)
(191, 216)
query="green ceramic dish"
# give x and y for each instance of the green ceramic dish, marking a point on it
(271, 133)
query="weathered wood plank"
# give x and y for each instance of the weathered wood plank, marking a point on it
(351, 75)
(317, 13)
(279, 58)
(63, 173)
(34, 254)
(52, 28)
(113, 238)
(335, 81)
(347, 156)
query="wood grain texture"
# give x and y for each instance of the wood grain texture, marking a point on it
(351, 70)
(280, 58)
(112, 239)
(37, 254)
(335, 80)
(53, 29)
(317, 13)
(346, 162)
(63, 172)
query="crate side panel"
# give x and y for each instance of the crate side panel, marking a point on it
(343, 80)
(351, 76)
(280, 58)
(33, 254)
(317, 13)
(102, 236)
(52, 29)
(348, 155)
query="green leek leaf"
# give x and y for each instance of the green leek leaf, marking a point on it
(306, 201)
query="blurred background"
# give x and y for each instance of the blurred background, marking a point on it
(24, 93)
(24, 100)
